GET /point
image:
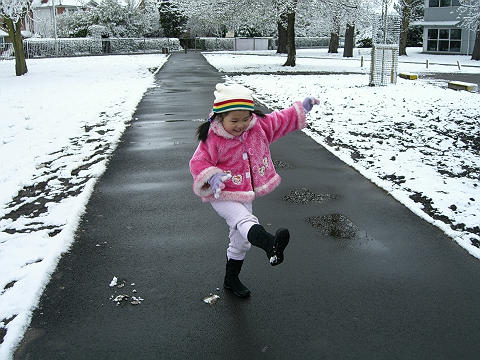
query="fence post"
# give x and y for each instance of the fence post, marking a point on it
(392, 75)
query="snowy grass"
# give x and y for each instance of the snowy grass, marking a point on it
(319, 60)
(59, 124)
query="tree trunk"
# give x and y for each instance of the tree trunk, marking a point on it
(292, 54)
(476, 47)
(14, 32)
(282, 39)
(334, 36)
(402, 50)
(349, 43)
(334, 41)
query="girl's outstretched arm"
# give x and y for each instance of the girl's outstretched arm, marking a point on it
(279, 123)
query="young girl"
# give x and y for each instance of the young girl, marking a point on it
(232, 165)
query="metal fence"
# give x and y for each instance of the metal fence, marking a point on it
(6, 51)
(215, 43)
(40, 48)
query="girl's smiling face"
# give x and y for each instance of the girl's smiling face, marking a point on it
(236, 122)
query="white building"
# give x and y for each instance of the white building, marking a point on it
(442, 32)
(45, 13)
(3, 37)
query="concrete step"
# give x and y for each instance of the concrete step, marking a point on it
(408, 76)
(460, 85)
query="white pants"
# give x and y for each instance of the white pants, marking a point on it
(239, 219)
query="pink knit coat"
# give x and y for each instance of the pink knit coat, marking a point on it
(246, 157)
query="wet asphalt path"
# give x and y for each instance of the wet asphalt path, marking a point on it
(395, 287)
(447, 77)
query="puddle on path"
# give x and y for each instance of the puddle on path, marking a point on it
(305, 196)
(340, 227)
(335, 225)
(279, 164)
(173, 91)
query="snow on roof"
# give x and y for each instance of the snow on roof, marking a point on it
(436, 23)
(67, 3)
(70, 3)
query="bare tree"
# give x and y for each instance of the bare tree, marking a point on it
(282, 34)
(469, 13)
(349, 40)
(409, 10)
(342, 14)
(334, 35)
(351, 8)
(13, 13)
(476, 47)
(291, 48)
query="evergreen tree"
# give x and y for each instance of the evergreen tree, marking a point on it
(171, 19)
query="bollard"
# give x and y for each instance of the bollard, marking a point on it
(426, 63)
(361, 61)
(458, 64)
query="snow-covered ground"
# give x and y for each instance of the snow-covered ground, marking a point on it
(60, 123)
(319, 60)
(58, 126)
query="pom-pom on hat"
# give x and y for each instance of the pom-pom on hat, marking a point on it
(232, 97)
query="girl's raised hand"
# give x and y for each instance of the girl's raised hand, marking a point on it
(309, 102)
(217, 183)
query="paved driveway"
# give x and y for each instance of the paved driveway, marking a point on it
(470, 78)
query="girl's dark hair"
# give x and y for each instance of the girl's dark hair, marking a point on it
(202, 130)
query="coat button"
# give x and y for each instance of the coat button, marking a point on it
(245, 156)
(250, 151)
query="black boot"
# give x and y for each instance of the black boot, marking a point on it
(232, 282)
(273, 245)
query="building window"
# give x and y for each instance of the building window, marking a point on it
(444, 40)
(443, 3)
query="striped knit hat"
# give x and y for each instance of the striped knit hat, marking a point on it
(232, 97)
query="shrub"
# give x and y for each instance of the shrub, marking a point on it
(365, 43)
